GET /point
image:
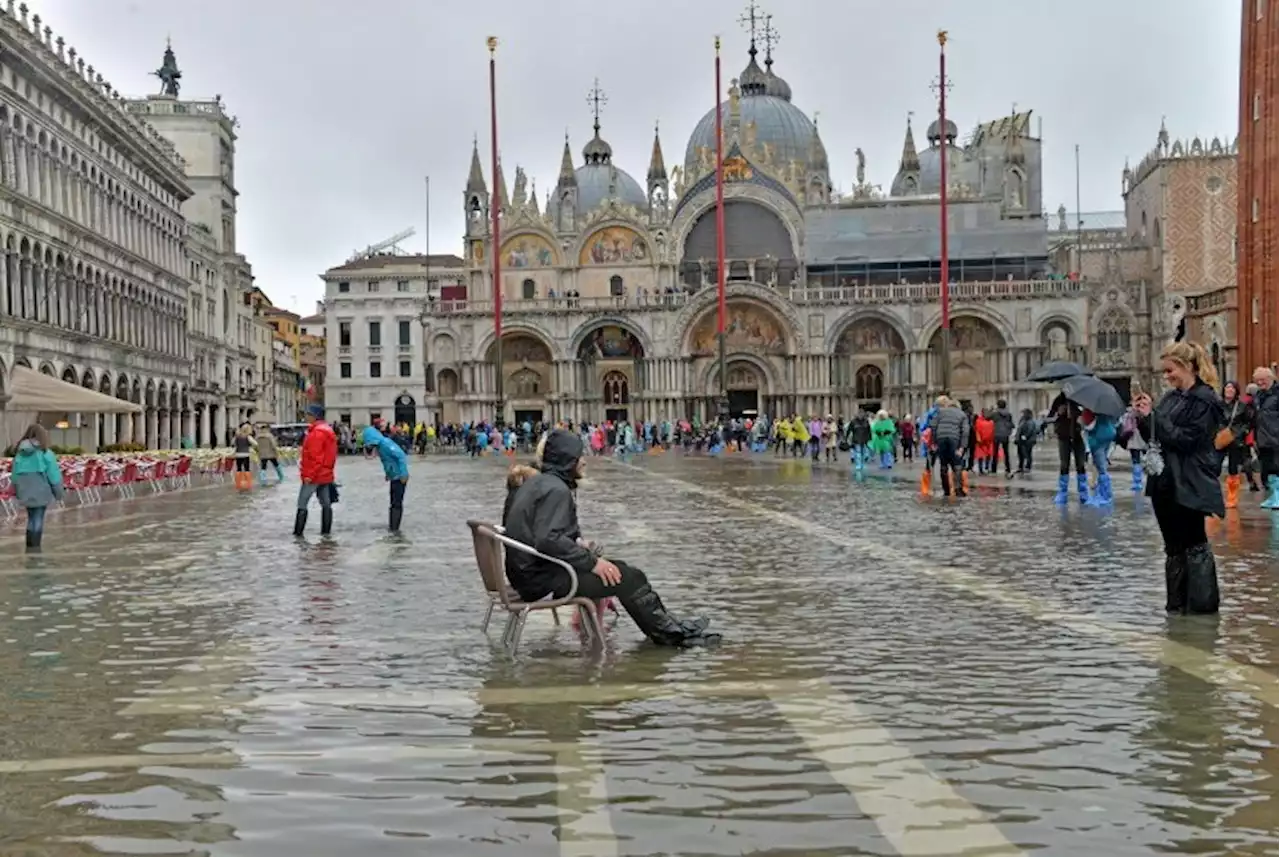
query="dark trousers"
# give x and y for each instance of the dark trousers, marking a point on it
(1068, 449)
(949, 464)
(35, 519)
(397, 493)
(1024, 455)
(1237, 458)
(1002, 449)
(1266, 463)
(591, 586)
(1180, 527)
(908, 449)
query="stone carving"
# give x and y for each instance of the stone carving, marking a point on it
(169, 74)
(862, 166)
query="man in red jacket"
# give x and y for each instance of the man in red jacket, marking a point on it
(315, 466)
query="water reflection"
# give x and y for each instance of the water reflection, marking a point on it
(898, 676)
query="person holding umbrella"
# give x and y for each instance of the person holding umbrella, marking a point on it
(1066, 427)
(1102, 407)
(1183, 467)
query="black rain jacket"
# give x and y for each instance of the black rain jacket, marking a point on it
(544, 515)
(1184, 422)
(1003, 420)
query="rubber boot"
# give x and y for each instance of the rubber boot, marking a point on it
(31, 540)
(1202, 580)
(326, 521)
(1233, 491)
(1104, 489)
(1273, 491)
(1063, 483)
(396, 515)
(944, 477)
(1137, 479)
(279, 472)
(964, 484)
(299, 522)
(926, 482)
(650, 615)
(1175, 584)
(1082, 486)
(262, 477)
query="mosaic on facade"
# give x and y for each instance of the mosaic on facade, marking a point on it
(610, 342)
(528, 251)
(969, 334)
(614, 245)
(518, 348)
(867, 336)
(748, 328)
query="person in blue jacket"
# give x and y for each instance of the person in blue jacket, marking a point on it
(395, 464)
(37, 479)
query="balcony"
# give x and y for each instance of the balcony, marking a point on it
(405, 348)
(344, 350)
(375, 349)
(896, 293)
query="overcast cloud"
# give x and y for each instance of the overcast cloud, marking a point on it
(346, 107)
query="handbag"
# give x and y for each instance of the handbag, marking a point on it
(1225, 436)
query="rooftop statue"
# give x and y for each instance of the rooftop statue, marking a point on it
(168, 73)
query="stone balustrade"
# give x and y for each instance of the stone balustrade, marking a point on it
(896, 293)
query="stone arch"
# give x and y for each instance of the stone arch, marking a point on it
(136, 395)
(526, 383)
(752, 230)
(447, 383)
(88, 380)
(1055, 337)
(4, 379)
(580, 337)
(70, 375)
(738, 360)
(1069, 324)
(839, 336)
(24, 362)
(929, 331)
(149, 393)
(973, 339)
(485, 350)
(104, 384)
(868, 382)
(970, 333)
(616, 387)
(749, 326)
(703, 303)
(162, 396)
(123, 386)
(47, 368)
(444, 348)
(692, 209)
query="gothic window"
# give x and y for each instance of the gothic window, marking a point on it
(616, 287)
(526, 384)
(908, 186)
(616, 388)
(528, 290)
(1056, 341)
(868, 383)
(475, 211)
(1113, 332)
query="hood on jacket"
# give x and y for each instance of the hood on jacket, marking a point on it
(560, 455)
(29, 447)
(371, 436)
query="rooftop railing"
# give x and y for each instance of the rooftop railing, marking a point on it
(912, 293)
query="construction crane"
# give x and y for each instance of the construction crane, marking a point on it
(389, 246)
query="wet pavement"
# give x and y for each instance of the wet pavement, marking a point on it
(899, 676)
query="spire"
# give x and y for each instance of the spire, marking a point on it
(752, 81)
(533, 208)
(597, 151)
(567, 176)
(500, 187)
(475, 180)
(657, 167)
(774, 85)
(910, 158)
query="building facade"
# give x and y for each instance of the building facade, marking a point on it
(1258, 208)
(94, 283)
(379, 363)
(833, 299)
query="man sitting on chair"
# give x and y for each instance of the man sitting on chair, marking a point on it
(543, 514)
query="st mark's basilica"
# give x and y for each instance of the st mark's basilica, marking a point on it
(609, 298)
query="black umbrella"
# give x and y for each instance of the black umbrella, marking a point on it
(1057, 370)
(1095, 395)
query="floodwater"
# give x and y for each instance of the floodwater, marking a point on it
(988, 676)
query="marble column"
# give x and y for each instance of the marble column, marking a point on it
(219, 436)
(204, 426)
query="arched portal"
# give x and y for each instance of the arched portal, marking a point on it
(405, 411)
(976, 352)
(528, 374)
(757, 246)
(447, 390)
(746, 386)
(870, 362)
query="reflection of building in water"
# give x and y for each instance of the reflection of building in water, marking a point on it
(833, 297)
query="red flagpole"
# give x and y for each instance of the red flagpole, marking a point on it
(495, 208)
(721, 312)
(944, 151)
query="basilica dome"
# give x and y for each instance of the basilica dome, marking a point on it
(931, 167)
(598, 178)
(766, 101)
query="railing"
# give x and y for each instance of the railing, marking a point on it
(374, 349)
(405, 347)
(910, 293)
(344, 349)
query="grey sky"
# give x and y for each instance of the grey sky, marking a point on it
(345, 107)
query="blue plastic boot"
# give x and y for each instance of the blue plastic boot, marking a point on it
(279, 472)
(1272, 502)
(1137, 479)
(1061, 497)
(262, 476)
(1082, 487)
(886, 461)
(1102, 492)
(858, 463)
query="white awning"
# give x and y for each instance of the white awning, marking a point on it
(33, 392)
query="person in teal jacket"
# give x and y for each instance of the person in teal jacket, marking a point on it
(395, 464)
(884, 433)
(37, 479)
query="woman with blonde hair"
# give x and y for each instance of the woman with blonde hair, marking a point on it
(1182, 473)
(37, 479)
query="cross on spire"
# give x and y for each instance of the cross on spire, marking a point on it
(770, 38)
(750, 19)
(597, 99)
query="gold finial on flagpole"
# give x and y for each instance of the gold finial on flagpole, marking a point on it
(492, 42)
(942, 38)
(717, 44)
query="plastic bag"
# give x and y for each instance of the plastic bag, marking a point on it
(1153, 459)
